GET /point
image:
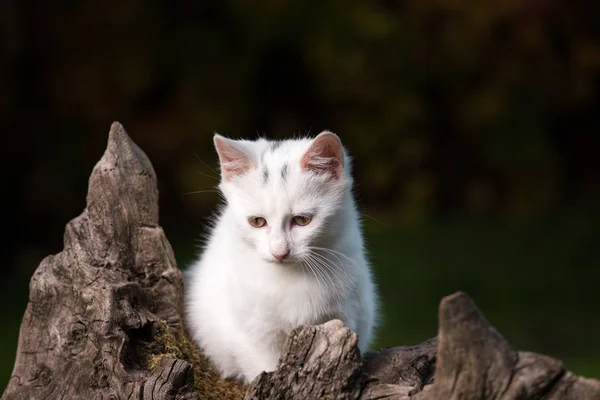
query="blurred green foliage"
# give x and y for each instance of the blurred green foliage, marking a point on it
(474, 128)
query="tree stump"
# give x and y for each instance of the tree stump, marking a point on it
(104, 321)
(104, 315)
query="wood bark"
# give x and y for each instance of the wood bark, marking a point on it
(104, 315)
(104, 321)
(469, 360)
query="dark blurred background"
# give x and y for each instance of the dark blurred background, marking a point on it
(475, 129)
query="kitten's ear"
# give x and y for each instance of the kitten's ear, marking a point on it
(234, 162)
(325, 155)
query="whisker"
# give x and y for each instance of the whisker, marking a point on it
(335, 252)
(330, 265)
(207, 175)
(318, 276)
(375, 219)
(340, 261)
(206, 165)
(312, 271)
(322, 274)
(338, 270)
(201, 191)
(332, 269)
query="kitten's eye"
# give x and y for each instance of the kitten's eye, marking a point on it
(257, 222)
(301, 220)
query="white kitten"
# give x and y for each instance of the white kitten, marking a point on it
(286, 250)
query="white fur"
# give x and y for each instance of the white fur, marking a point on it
(241, 303)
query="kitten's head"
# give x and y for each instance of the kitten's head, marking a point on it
(286, 196)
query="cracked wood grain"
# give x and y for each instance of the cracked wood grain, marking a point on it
(94, 303)
(469, 360)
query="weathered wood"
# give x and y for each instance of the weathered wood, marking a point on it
(317, 362)
(472, 361)
(104, 315)
(409, 366)
(475, 362)
(104, 322)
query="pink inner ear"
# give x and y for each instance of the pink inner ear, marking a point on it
(234, 162)
(325, 156)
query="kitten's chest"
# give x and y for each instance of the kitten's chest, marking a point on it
(289, 303)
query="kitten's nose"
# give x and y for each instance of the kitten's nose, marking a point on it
(280, 256)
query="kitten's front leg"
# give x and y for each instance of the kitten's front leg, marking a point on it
(259, 357)
(257, 347)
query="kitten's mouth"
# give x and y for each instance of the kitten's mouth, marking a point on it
(282, 262)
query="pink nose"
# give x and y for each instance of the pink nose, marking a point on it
(280, 256)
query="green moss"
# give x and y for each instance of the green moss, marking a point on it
(174, 343)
